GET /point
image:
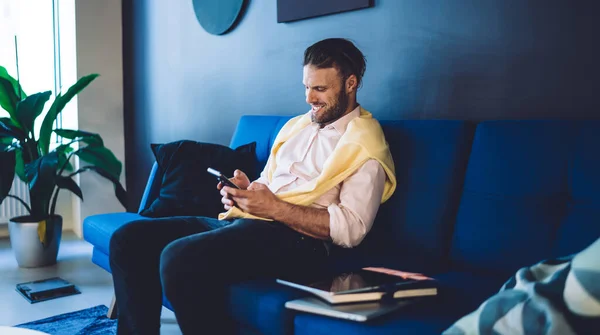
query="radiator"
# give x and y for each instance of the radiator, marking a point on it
(10, 207)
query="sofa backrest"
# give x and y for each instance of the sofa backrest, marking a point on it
(430, 157)
(490, 197)
(413, 228)
(531, 192)
(261, 129)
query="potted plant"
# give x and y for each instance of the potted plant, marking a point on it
(45, 167)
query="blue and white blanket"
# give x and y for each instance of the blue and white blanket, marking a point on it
(554, 297)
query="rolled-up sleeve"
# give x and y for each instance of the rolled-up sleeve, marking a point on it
(360, 197)
(263, 180)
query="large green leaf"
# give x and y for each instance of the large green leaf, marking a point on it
(65, 182)
(119, 189)
(14, 82)
(8, 144)
(63, 157)
(30, 108)
(41, 175)
(5, 143)
(64, 148)
(30, 151)
(57, 107)
(9, 129)
(84, 136)
(101, 157)
(120, 192)
(42, 169)
(10, 92)
(20, 165)
(8, 98)
(7, 172)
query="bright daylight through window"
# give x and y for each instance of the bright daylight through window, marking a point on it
(41, 35)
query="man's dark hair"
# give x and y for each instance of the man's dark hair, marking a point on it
(338, 53)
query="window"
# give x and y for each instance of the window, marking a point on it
(42, 34)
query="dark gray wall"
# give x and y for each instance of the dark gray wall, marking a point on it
(458, 59)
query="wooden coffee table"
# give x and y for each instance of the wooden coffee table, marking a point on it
(19, 331)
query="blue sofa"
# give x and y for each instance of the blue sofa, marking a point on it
(474, 203)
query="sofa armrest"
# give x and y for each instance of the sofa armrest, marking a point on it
(152, 188)
(98, 229)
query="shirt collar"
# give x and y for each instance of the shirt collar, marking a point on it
(342, 123)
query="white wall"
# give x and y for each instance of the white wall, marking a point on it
(100, 105)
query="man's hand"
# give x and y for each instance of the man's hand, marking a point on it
(241, 180)
(256, 200)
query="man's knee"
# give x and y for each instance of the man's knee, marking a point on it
(124, 238)
(188, 257)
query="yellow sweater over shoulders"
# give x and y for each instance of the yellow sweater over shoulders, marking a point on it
(362, 141)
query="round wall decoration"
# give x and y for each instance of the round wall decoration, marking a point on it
(218, 16)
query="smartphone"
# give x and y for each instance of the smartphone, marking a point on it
(220, 177)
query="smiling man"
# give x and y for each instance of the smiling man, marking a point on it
(328, 172)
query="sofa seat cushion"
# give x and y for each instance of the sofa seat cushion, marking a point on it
(259, 305)
(407, 321)
(460, 293)
(97, 229)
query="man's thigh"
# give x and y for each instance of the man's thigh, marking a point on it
(244, 250)
(177, 226)
(152, 235)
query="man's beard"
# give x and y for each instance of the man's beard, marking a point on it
(334, 112)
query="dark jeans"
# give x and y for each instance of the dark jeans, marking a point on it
(192, 261)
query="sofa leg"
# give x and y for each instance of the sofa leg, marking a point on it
(112, 311)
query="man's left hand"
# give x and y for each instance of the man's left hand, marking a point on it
(258, 200)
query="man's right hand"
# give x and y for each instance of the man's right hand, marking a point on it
(241, 180)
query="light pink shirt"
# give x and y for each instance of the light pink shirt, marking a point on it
(353, 204)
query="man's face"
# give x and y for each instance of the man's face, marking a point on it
(325, 93)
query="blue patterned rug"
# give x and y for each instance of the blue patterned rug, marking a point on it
(90, 321)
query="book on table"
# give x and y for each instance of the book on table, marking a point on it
(367, 284)
(357, 311)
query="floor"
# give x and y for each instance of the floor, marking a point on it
(74, 265)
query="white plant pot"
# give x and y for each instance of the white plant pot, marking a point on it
(25, 243)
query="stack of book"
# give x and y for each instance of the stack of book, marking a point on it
(362, 294)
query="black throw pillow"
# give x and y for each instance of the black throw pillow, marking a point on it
(187, 189)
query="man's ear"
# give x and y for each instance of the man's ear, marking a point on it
(351, 84)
